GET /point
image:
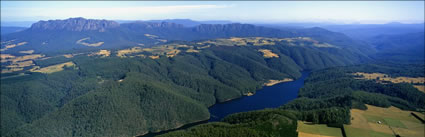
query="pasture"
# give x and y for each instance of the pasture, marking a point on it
(383, 122)
(317, 130)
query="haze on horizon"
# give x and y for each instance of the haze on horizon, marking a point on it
(341, 12)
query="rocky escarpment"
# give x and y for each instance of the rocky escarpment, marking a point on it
(75, 24)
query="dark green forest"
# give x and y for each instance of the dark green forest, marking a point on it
(132, 96)
(262, 123)
(154, 95)
(326, 98)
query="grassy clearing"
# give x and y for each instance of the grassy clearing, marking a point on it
(18, 63)
(5, 57)
(81, 41)
(173, 53)
(151, 36)
(273, 82)
(155, 37)
(54, 68)
(27, 51)
(420, 87)
(394, 123)
(392, 120)
(9, 70)
(359, 132)
(21, 64)
(236, 41)
(192, 51)
(302, 134)
(262, 41)
(68, 55)
(12, 45)
(268, 53)
(154, 57)
(385, 77)
(170, 51)
(125, 52)
(321, 130)
(26, 57)
(103, 53)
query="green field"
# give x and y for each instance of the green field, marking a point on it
(393, 120)
(319, 129)
(394, 123)
(374, 119)
(385, 120)
(357, 132)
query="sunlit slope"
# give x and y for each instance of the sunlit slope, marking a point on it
(105, 93)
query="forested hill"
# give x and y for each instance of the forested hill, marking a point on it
(402, 47)
(79, 34)
(133, 91)
(326, 98)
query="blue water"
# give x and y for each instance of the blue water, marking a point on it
(267, 97)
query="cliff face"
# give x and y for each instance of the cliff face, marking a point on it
(75, 24)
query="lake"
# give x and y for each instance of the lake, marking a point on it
(267, 97)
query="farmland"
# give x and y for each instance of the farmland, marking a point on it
(54, 68)
(102, 53)
(383, 122)
(385, 77)
(380, 77)
(262, 41)
(317, 130)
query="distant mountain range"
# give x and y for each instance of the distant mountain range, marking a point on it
(400, 47)
(184, 22)
(86, 77)
(74, 24)
(62, 35)
(367, 31)
(7, 30)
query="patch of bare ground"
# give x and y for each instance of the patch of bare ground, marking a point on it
(27, 51)
(274, 82)
(54, 68)
(102, 53)
(268, 53)
(154, 57)
(81, 42)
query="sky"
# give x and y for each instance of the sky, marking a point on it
(365, 12)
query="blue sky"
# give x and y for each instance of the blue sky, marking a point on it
(238, 11)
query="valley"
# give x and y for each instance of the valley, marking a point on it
(90, 77)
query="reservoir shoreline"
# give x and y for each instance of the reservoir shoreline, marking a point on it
(267, 97)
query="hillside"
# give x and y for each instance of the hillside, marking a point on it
(335, 102)
(83, 77)
(9, 29)
(368, 31)
(402, 47)
(62, 36)
(137, 90)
